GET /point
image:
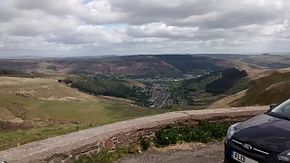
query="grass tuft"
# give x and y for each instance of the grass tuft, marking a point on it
(108, 156)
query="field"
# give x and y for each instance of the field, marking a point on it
(48, 108)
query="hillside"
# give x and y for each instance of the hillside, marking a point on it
(36, 108)
(110, 86)
(46, 102)
(267, 90)
(229, 77)
(200, 92)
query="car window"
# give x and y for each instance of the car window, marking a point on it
(283, 108)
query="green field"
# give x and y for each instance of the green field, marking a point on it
(51, 108)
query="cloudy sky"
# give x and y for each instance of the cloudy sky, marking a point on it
(120, 27)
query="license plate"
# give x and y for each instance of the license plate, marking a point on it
(241, 158)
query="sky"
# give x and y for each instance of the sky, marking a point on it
(62, 28)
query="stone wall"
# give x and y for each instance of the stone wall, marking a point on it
(66, 147)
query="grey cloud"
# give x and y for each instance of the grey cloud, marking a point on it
(229, 13)
(88, 34)
(55, 7)
(241, 17)
(8, 11)
(163, 26)
(143, 12)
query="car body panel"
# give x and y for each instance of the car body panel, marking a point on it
(266, 132)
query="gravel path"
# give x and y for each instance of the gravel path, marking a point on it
(210, 153)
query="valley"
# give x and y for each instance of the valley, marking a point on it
(92, 81)
(40, 98)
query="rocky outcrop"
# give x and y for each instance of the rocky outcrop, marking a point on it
(70, 146)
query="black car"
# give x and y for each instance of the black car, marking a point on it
(262, 139)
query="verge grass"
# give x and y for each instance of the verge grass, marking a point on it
(204, 132)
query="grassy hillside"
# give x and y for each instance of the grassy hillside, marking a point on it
(202, 91)
(268, 90)
(43, 107)
(46, 100)
(229, 78)
(111, 86)
(199, 84)
(192, 91)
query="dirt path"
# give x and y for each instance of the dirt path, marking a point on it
(210, 153)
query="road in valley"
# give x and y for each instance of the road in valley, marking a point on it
(210, 153)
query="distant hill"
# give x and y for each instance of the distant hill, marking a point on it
(144, 66)
(148, 66)
(19, 65)
(188, 64)
(266, 54)
(259, 61)
(141, 66)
